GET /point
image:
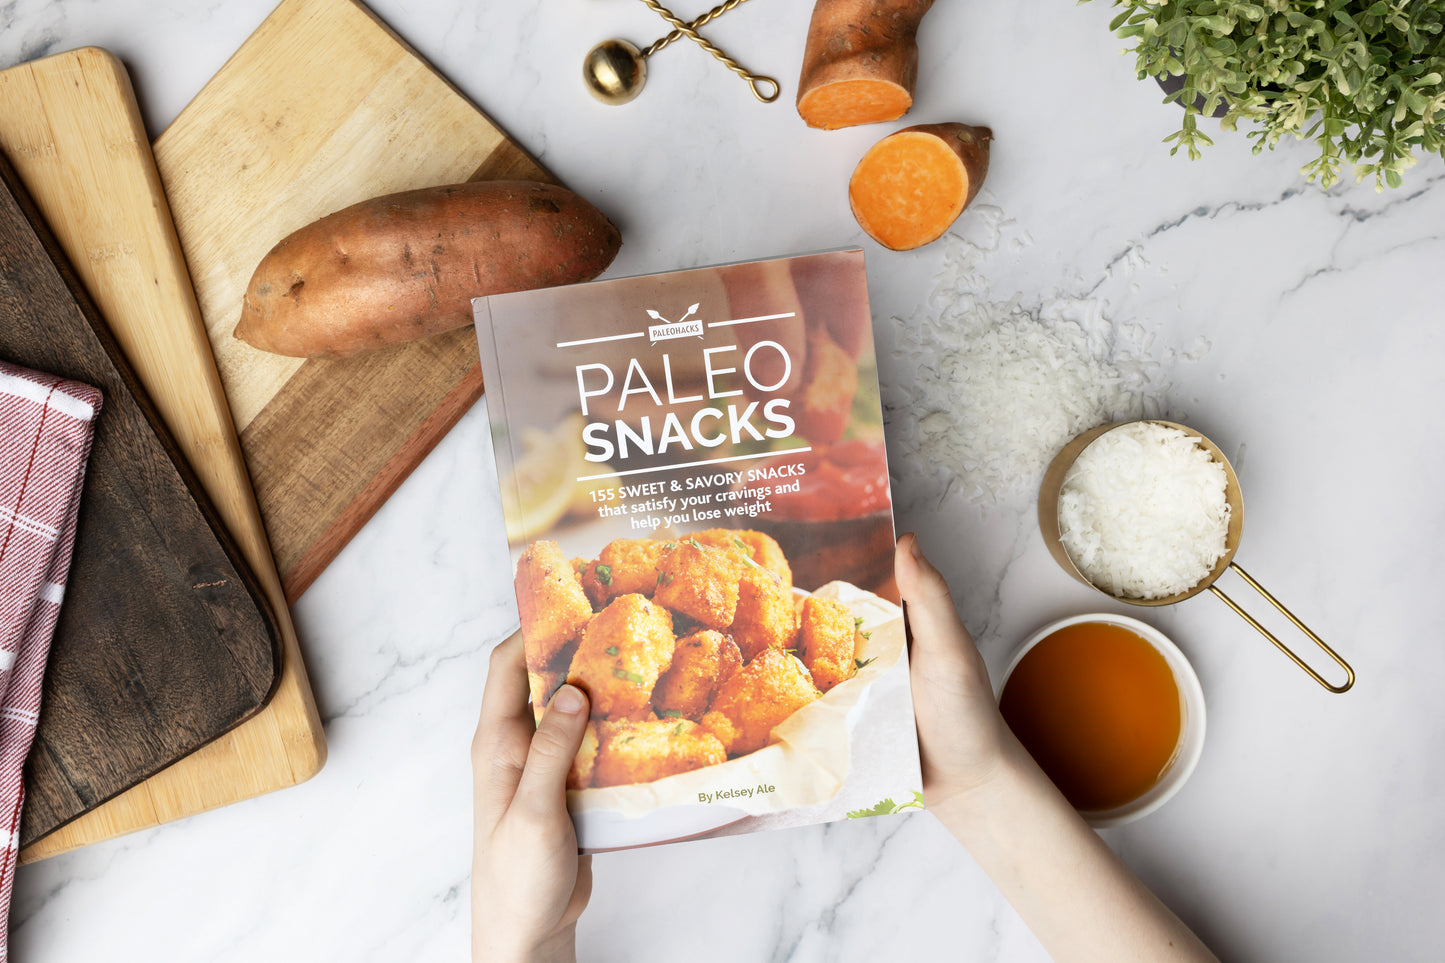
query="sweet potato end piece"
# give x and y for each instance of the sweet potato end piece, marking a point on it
(851, 103)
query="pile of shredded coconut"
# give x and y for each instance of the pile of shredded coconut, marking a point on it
(1143, 512)
(994, 389)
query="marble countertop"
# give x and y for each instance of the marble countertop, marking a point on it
(1300, 329)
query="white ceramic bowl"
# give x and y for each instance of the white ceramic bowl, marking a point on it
(1191, 697)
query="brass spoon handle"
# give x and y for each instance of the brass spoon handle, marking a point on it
(755, 81)
(700, 22)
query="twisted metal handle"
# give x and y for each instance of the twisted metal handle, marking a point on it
(755, 81)
(700, 22)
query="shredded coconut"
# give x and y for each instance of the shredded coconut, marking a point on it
(1143, 512)
(998, 388)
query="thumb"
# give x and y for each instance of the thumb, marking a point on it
(554, 746)
(931, 613)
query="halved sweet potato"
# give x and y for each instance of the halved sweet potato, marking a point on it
(911, 186)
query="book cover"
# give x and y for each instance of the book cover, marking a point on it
(696, 497)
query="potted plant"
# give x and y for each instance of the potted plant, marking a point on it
(1362, 79)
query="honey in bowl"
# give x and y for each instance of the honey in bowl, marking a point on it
(1098, 708)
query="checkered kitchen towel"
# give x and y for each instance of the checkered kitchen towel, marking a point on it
(45, 430)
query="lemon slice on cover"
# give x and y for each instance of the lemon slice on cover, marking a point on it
(546, 479)
(584, 501)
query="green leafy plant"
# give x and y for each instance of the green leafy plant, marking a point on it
(1361, 79)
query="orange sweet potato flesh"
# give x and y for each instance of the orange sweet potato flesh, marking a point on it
(860, 62)
(911, 186)
(405, 266)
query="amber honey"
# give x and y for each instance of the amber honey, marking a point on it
(1098, 708)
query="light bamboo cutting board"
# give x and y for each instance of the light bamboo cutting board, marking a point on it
(321, 108)
(70, 126)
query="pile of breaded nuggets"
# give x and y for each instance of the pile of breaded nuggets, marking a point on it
(691, 649)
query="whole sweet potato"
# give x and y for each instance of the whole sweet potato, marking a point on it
(405, 266)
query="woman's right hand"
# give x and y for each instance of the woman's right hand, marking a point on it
(962, 738)
(1077, 896)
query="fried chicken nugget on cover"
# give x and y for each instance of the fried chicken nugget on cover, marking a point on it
(550, 600)
(701, 663)
(624, 649)
(580, 775)
(700, 582)
(766, 618)
(827, 641)
(633, 752)
(761, 548)
(625, 566)
(541, 685)
(759, 696)
(721, 727)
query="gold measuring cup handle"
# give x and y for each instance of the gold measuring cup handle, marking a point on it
(1349, 672)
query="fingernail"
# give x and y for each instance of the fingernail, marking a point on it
(568, 700)
(915, 548)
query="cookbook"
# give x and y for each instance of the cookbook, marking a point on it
(697, 508)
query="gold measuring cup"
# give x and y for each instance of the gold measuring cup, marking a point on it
(1049, 524)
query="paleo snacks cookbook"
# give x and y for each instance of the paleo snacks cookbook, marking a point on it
(697, 507)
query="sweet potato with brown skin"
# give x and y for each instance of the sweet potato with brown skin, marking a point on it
(911, 186)
(860, 62)
(405, 266)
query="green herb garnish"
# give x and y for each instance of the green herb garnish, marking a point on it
(611, 650)
(677, 730)
(632, 677)
(742, 546)
(664, 578)
(888, 807)
(864, 663)
(604, 573)
(671, 714)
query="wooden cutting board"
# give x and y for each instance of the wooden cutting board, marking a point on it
(323, 106)
(164, 641)
(70, 125)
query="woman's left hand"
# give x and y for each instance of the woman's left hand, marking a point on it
(529, 886)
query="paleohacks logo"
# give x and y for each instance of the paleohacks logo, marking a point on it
(681, 328)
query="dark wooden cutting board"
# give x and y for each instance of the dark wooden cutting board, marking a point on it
(70, 125)
(164, 641)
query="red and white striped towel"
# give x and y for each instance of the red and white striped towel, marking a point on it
(46, 425)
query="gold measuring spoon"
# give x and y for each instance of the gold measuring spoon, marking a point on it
(615, 70)
(1049, 524)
